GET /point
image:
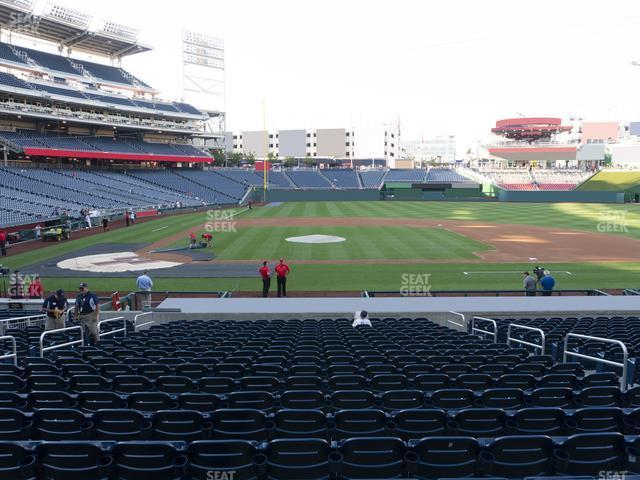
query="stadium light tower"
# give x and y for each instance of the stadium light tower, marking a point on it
(203, 76)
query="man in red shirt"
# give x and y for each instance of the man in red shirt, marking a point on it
(266, 279)
(3, 243)
(208, 238)
(192, 240)
(282, 270)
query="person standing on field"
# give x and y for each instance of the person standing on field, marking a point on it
(547, 283)
(282, 270)
(266, 279)
(529, 284)
(145, 284)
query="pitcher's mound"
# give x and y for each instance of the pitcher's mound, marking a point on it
(317, 238)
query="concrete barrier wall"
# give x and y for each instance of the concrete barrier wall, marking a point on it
(560, 196)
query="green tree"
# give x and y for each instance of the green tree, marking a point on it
(290, 162)
(250, 158)
(234, 159)
(219, 157)
(309, 162)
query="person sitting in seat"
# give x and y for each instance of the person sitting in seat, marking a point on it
(360, 319)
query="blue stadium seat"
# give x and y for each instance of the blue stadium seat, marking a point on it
(145, 460)
(444, 457)
(517, 456)
(237, 458)
(121, 425)
(371, 458)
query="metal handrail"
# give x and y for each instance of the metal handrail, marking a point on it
(462, 325)
(6, 321)
(625, 354)
(117, 330)
(135, 320)
(523, 342)
(13, 355)
(474, 329)
(67, 344)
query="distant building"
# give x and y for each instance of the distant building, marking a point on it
(441, 149)
(599, 132)
(366, 144)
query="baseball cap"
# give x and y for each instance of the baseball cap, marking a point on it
(60, 291)
(83, 285)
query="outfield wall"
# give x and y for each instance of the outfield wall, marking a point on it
(560, 196)
(354, 195)
(413, 194)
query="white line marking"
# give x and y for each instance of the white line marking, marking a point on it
(510, 271)
(159, 228)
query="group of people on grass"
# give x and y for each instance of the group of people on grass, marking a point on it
(540, 277)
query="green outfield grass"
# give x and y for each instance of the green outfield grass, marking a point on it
(578, 216)
(397, 243)
(362, 243)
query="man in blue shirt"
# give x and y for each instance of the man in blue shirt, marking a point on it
(87, 310)
(54, 306)
(145, 284)
(547, 283)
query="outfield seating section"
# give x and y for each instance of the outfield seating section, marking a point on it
(342, 178)
(311, 399)
(401, 175)
(65, 66)
(445, 175)
(372, 178)
(308, 179)
(537, 179)
(519, 186)
(81, 97)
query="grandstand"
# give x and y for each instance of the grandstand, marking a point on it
(406, 398)
(535, 178)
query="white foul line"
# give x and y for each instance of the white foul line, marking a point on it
(159, 228)
(510, 271)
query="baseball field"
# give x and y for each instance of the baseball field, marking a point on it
(354, 246)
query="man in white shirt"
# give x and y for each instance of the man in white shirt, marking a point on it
(145, 284)
(361, 319)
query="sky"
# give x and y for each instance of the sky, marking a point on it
(441, 67)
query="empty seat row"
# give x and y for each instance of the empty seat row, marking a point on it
(250, 424)
(355, 458)
(211, 399)
(117, 378)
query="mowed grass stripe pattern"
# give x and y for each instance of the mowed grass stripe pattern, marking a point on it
(576, 216)
(362, 243)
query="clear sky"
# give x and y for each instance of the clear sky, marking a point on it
(442, 67)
